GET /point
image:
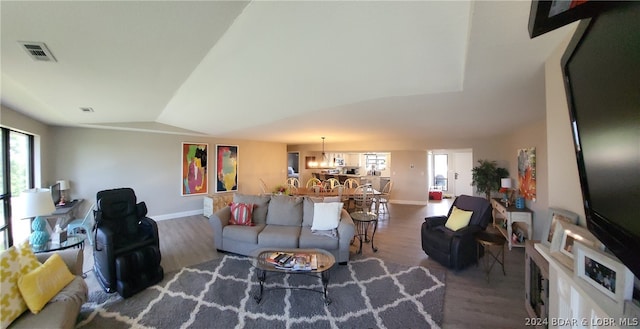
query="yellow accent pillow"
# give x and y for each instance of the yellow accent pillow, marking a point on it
(458, 219)
(14, 262)
(43, 283)
(28, 260)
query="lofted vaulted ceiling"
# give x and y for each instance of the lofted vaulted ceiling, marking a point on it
(283, 71)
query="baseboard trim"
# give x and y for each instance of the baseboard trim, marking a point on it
(409, 202)
(176, 215)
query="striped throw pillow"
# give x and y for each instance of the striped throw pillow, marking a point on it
(241, 214)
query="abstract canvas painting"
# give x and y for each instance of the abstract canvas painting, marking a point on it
(194, 168)
(226, 168)
(527, 172)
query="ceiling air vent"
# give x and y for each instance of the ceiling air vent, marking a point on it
(38, 51)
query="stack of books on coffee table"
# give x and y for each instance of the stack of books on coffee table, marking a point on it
(293, 261)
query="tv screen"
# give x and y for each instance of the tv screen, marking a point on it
(602, 77)
(55, 193)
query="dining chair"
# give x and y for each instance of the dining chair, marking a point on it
(313, 181)
(351, 183)
(383, 199)
(293, 190)
(85, 224)
(263, 187)
(339, 192)
(363, 198)
(331, 183)
(293, 181)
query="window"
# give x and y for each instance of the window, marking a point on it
(17, 176)
(375, 161)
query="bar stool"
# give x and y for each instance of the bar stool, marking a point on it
(489, 240)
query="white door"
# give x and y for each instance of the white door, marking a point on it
(463, 165)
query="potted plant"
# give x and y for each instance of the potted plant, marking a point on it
(486, 177)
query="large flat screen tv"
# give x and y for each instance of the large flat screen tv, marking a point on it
(601, 68)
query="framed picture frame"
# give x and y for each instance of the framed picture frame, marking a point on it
(564, 238)
(555, 215)
(603, 277)
(226, 168)
(195, 179)
(546, 16)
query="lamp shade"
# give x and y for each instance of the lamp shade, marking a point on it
(505, 182)
(38, 202)
(64, 184)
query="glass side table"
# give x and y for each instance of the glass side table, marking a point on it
(73, 241)
(362, 221)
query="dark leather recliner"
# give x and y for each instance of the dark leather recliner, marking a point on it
(126, 250)
(456, 249)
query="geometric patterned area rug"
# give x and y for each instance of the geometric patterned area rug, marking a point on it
(365, 293)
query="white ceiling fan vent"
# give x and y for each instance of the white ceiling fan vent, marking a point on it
(38, 51)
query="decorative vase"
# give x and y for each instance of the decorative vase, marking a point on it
(520, 202)
(39, 237)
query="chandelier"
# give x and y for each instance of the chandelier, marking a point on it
(324, 163)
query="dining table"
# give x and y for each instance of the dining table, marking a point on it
(346, 192)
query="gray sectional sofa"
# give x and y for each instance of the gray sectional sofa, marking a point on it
(280, 222)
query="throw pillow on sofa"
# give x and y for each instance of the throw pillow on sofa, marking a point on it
(15, 263)
(241, 214)
(43, 283)
(307, 206)
(260, 202)
(326, 216)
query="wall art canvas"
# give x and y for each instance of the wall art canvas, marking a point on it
(527, 173)
(226, 168)
(194, 168)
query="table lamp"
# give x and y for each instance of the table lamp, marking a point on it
(505, 186)
(38, 202)
(64, 186)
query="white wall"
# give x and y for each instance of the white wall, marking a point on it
(532, 135)
(564, 182)
(150, 163)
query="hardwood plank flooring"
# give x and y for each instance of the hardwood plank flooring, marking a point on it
(470, 301)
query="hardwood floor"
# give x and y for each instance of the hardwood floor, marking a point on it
(470, 301)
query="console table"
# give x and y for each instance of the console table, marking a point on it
(62, 215)
(505, 217)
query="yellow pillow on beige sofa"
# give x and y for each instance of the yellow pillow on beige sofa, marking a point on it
(40, 285)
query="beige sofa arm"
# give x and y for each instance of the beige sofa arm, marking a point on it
(346, 231)
(74, 258)
(218, 221)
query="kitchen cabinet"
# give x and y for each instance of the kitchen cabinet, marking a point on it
(352, 159)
